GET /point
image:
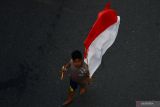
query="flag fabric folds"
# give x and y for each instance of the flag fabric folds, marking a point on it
(101, 36)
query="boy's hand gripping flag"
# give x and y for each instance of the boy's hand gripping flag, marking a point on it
(101, 37)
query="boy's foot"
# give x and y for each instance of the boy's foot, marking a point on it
(82, 91)
(69, 99)
(67, 102)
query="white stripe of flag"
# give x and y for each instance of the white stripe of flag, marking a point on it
(100, 38)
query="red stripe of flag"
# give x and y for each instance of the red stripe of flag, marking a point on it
(106, 18)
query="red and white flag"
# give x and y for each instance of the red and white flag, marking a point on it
(101, 36)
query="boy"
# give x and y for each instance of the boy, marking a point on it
(78, 73)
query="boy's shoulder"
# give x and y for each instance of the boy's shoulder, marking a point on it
(71, 61)
(85, 66)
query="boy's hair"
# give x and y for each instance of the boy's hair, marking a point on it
(76, 55)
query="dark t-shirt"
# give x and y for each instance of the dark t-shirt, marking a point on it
(78, 74)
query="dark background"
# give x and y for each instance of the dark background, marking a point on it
(37, 37)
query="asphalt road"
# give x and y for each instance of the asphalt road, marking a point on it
(37, 37)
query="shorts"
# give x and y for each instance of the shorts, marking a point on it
(74, 85)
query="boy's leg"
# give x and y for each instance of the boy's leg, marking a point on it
(71, 92)
(83, 88)
(84, 84)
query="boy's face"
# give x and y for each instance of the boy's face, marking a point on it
(77, 63)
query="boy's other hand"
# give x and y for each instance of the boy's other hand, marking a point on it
(63, 70)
